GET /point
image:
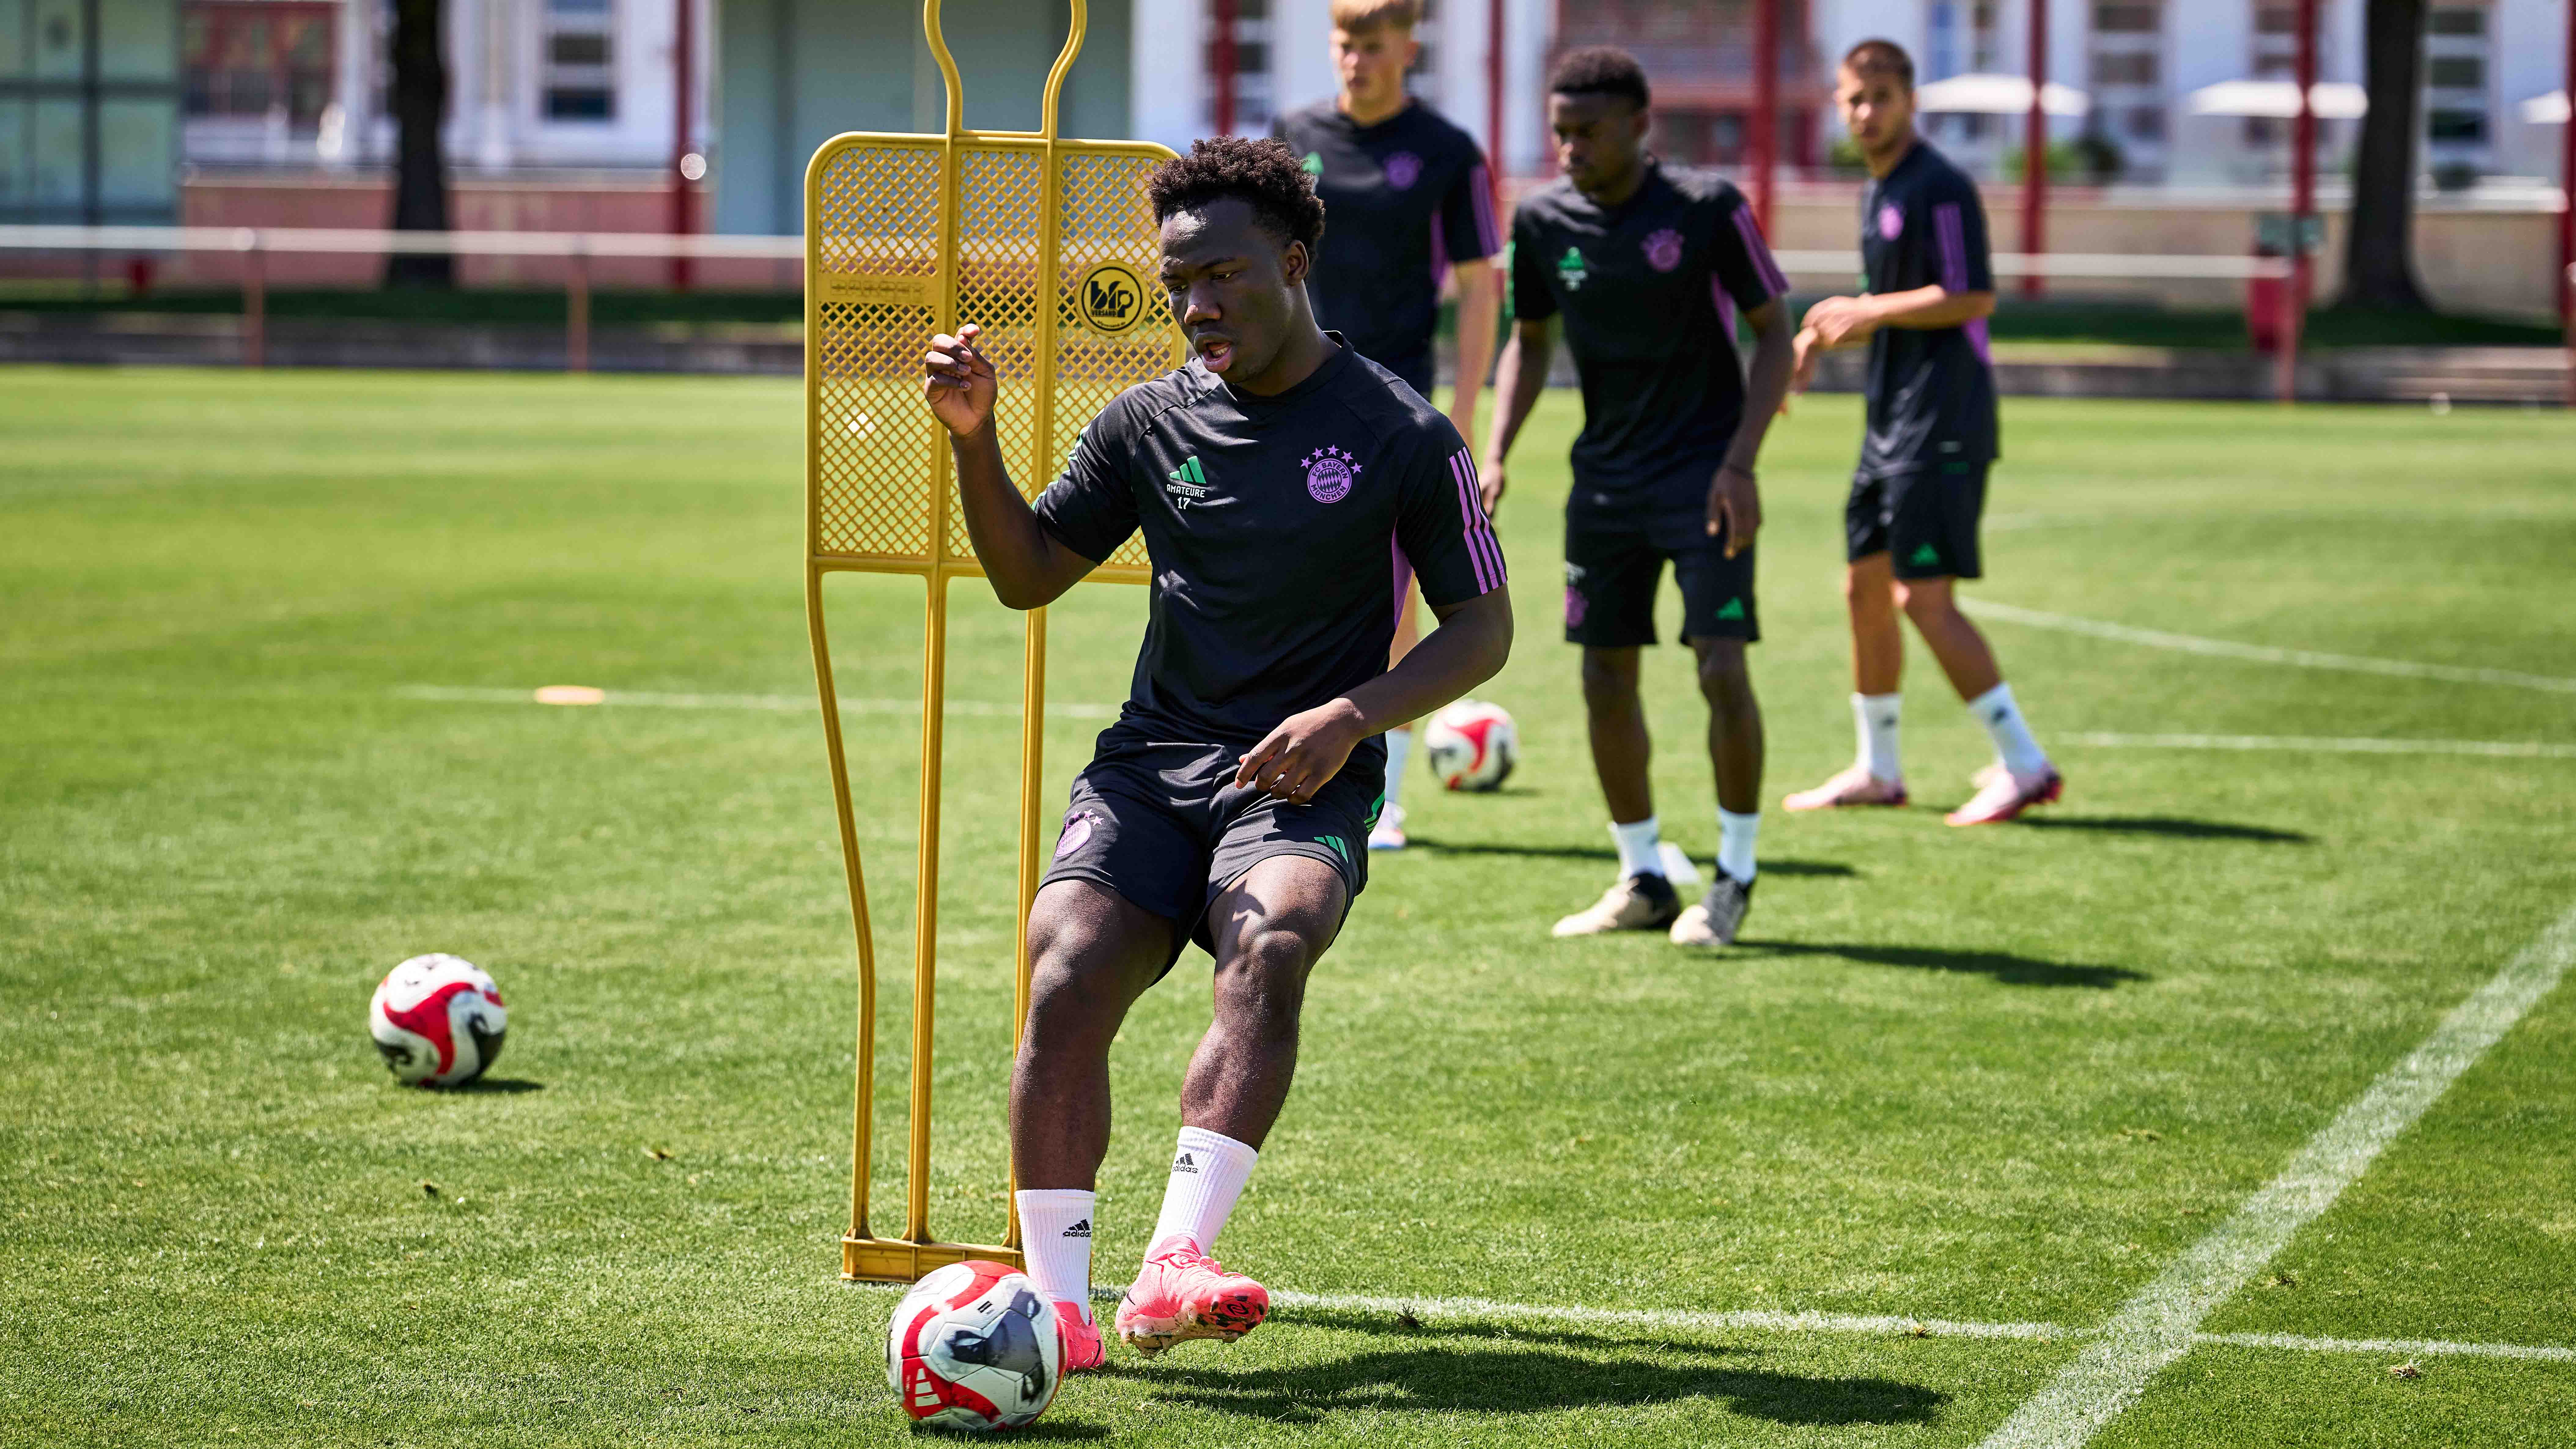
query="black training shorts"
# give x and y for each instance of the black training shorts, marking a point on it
(1614, 565)
(1924, 519)
(1163, 824)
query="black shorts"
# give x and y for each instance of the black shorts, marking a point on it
(1924, 518)
(1164, 825)
(1613, 567)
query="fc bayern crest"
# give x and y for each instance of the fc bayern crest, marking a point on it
(1890, 221)
(1402, 170)
(1329, 475)
(1664, 250)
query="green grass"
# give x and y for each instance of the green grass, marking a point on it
(1998, 1075)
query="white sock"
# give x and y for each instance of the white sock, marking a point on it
(1876, 715)
(1637, 855)
(2013, 745)
(1208, 1169)
(1735, 842)
(1399, 750)
(1055, 1230)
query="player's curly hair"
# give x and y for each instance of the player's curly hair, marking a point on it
(1600, 70)
(1264, 174)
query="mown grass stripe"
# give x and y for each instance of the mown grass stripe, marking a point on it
(2161, 1323)
(2327, 745)
(2266, 654)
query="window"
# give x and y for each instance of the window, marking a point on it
(2125, 68)
(255, 60)
(1252, 99)
(2457, 20)
(2456, 72)
(2126, 19)
(2145, 123)
(580, 61)
(2456, 127)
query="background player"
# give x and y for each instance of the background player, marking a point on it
(1647, 265)
(1228, 804)
(1910, 528)
(1409, 195)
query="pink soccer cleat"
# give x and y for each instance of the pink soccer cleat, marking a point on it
(1855, 786)
(2002, 795)
(1183, 1293)
(1078, 1338)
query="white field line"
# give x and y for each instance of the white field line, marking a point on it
(1486, 1310)
(2264, 653)
(2161, 1323)
(2410, 1347)
(2315, 744)
(772, 703)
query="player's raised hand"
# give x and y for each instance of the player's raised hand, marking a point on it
(1839, 322)
(1734, 508)
(958, 381)
(1302, 754)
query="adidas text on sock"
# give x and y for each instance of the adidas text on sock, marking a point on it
(1208, 1173)
(1056, 1225)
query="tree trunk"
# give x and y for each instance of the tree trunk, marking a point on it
(2379, 267)
(420, 164)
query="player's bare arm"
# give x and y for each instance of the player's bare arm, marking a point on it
(1518, 380)
(1735, 494)
(1029, 568)
(1309, 748)
(1480, 305)
(1839, 322)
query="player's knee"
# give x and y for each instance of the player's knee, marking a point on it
(1926, 601)
(1262, 982)
(1607, 686)
(1724, 681)
(1076, 971)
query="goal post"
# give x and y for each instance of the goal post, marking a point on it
(1048, 244)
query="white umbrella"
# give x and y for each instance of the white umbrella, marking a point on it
(2548, 110)
(2327, 100)
(1998, 95)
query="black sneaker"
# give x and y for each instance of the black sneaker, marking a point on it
(1715, 920)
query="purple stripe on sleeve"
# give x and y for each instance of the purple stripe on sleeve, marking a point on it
(1403, 575)
(1481, 183)
(1953, 236)
(1977, 340)
(1482, 547)
(1725, 307)
(1439, 255)
(1760, 251)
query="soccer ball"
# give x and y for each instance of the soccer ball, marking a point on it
(974, 1346)
(1471, 745)
(438, 1020)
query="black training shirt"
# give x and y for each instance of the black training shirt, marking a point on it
(1649, 291)
(1931, 391)
(1272, 524)
(1403, 199)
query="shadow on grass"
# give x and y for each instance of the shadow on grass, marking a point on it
(1043, 1429)
(1605, 853)
(1451, 1379)
(2004, 966)
(1517, 1333)
(499, 1085)
(2166, 825)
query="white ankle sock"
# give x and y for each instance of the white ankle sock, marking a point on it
(1735, 835)
(1208, 1171)
(1055, 1229)
(1399, 750)
(1875, 716)
(2020, 753)
(1637, 854)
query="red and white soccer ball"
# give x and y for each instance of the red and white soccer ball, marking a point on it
(974, 1346)
(1471, 745)
(438, 1020)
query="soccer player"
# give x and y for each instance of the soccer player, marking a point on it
(1648, 265)
(1229, 802)
(1409, 196)
(1910, 529)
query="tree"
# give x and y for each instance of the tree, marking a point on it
(2379, 266)
(420, 163)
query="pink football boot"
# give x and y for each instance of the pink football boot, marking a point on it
(1855, 786)
(2002, 795)
(1078, 1339)
(1183, 1293)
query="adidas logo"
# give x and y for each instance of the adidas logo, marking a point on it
(1926, 554)
(1189, 484)
(1734, 609)
(1079, 1230)
(1183, 1163)
(1189, 472)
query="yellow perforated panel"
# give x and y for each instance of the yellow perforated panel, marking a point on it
(880, 281)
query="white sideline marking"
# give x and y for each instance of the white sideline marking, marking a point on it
(2313, 744)
(2160, 1324)
(773, 703)
(2264, 653)
(2408, 1346)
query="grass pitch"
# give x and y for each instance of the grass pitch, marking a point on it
(1999, 1076)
